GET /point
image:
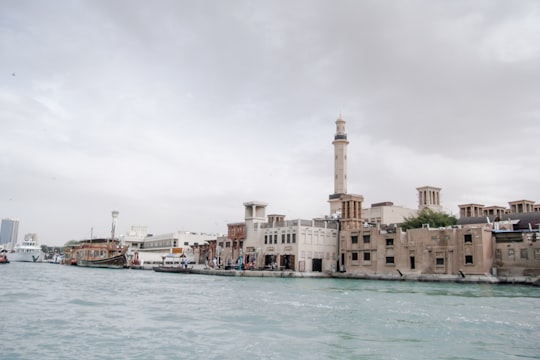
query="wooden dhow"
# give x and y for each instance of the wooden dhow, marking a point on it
(101, 253)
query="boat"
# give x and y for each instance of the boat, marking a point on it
(57, 259)
(171, 269)
(27, 251)
(174, 264)
(3, 257)
(99, 253)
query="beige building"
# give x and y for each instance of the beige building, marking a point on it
(369, 241)
(387, 250)
(515, 240)
(521, 206)
(517, 253)
(514, 207)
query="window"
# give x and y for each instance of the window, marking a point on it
(367, 256)
(389, 242)
(390, 260)
(498, 254)
(220, 244)
(288, 238)
(354, 239)
(283, 238)
(468, 260)
(266, 239)
(439, 261)
(354, 256)
(294, 238)
(511, 254)
(275, 239)
(366, 239)
(468, 238)
(524, 254)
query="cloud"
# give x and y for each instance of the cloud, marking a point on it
(177, 113)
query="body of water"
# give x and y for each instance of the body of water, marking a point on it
(59, 312)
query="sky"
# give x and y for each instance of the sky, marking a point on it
(175, 113)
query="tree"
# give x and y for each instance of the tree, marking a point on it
(428, 216)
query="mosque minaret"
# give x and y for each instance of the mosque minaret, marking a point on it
(340, 165)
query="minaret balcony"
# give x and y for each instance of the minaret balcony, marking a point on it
(340, 137)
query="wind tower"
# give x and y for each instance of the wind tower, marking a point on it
(340, 166)
(429, 197)
(255, 215)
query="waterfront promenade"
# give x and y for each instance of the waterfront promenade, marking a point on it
(476, 279)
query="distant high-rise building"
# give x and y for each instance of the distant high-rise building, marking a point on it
(9, 231)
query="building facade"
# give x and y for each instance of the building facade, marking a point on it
(444, 251)
(181, 243)
(517, 252)
(276, 243)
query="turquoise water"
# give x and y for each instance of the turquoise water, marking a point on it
(60, 312)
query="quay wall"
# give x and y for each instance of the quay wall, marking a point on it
(474, 279)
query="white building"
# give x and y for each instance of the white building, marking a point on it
(299, 245)
(153, 247)
(387, 213)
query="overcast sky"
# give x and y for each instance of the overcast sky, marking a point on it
(175, 113)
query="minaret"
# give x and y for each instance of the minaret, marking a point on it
(113, 227)
(340, 165)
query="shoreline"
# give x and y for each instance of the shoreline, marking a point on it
(469, 279)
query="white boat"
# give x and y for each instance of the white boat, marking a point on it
(28, 251)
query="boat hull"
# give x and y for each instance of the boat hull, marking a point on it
(114, 262)
(27, 256)
(171, 269)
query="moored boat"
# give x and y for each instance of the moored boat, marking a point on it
(101, 253)
(27, 251)
(174, 264)
(3, 258)
(171, 269)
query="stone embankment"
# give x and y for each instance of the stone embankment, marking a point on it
(260, 273)
(478, 279)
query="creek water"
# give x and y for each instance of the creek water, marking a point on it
(59, 312)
